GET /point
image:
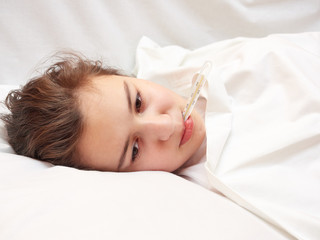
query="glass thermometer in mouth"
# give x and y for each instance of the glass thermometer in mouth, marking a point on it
(201, 78)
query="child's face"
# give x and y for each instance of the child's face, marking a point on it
(135, 125)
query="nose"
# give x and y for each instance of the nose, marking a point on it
(159, 127)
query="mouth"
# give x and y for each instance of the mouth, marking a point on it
(187, 133)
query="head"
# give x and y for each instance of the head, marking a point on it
(81, 114)
(44, 121)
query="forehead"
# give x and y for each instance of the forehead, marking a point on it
(105, 111)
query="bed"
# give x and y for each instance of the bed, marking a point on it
(41, 201)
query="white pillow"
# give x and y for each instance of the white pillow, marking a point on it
(42, 201)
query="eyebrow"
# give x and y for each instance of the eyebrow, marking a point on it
(125, 148)
(123, 155)
(126, 89)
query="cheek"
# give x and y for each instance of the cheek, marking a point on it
(161, 156)
(163, 94)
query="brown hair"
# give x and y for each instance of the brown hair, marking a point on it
(45, 121)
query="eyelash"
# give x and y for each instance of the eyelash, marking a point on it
(138, 102)
(135, 151)
(138, 108)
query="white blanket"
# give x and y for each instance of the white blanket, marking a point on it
(262, 119)
(263, 129)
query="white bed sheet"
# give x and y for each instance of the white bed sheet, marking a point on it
(31, 30)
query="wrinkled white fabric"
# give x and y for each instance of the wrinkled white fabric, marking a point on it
(262, 122)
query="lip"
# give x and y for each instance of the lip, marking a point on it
(187, 132)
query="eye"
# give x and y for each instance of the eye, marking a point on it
(138, 103)
(135, 151)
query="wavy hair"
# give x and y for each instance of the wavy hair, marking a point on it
(45, 121)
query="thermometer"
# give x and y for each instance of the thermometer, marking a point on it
(201, 78)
